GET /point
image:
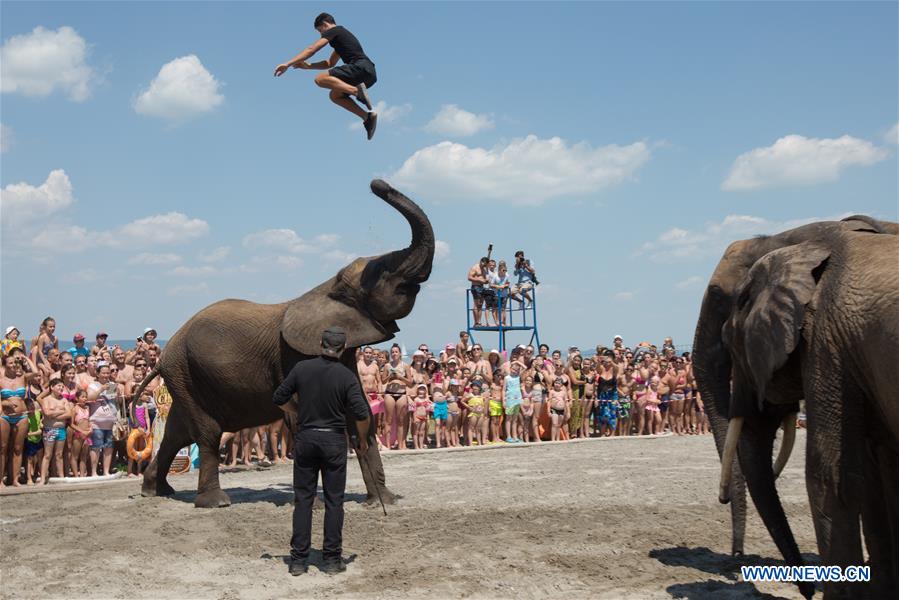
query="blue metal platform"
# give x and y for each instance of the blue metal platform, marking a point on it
(514, 316)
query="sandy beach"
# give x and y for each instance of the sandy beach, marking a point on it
(615, 518)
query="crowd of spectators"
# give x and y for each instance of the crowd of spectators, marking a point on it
(65, 411)
(463, 395)
(71, 412)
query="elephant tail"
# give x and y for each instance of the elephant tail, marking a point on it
(146, 381)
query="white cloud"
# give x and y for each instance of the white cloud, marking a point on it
(188, 289)
(154, 231)
(185, 271)
(689, 282)
(525, 171)
(386, 113)
(892, 136)
(624, 296)
(6, 137)
(287, 240)
(169, 228)
(22, 203)
(711, 239)
(454, 121)
(182, 89)
(798, 160)
(441, 250)
(216, 255)
(40, 62)
(261, 264)
(148, 258)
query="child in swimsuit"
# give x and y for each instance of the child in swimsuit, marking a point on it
(534, 391)
(441, 414)
(420, 418)
(453, 412)
(139, 420)
(496, 411)
(34, 442)
(558, 408)
(81, 442)
(475, 406)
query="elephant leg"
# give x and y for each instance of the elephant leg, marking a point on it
(880, 519)
(375, 479)
(834, 474)
(175, 437)
(208, 435)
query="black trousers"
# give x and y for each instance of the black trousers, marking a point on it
(317, 452)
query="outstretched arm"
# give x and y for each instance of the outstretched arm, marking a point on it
(326, 64)
(299, 61)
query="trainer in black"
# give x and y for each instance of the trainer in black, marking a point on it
(362, 94)
(370, 124)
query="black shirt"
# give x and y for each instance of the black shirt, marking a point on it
(345, 44)
(328, 390)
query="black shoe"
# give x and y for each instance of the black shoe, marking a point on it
(370, 124)
(298, 567)
(332, 567)
(362, 95)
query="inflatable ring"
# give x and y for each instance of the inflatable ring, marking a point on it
(148, 445)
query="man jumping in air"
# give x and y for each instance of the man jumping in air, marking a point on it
(352, 78)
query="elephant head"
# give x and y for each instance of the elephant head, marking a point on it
(367, 296)
(712, 363)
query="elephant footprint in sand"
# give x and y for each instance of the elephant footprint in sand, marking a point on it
(224, 364)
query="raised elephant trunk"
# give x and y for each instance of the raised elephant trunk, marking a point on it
(414, 261)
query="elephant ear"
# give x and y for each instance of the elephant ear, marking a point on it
(309, 315)
(773, 300)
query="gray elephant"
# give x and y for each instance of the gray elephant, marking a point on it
(224, 364)
(715, 366)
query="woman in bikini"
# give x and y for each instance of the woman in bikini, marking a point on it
(590, 405)
(626, 385)
(677, 380)
(396, 378)
(14, 380)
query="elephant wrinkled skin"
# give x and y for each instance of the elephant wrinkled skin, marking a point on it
(811, 313)
(223, 365)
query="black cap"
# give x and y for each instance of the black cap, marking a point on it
(333, 341)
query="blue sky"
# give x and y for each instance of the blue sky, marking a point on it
(152, 165)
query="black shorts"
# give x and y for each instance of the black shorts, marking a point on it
(361, 71)
(477, 292)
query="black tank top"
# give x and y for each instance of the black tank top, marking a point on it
(606, 385)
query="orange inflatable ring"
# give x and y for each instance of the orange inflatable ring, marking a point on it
(148, 445)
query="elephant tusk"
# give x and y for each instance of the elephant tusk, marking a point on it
(727, 458)
(786, 446)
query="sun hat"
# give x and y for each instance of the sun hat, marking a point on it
(449, 347)
(10, 329)
(618, 337)
(148, 330)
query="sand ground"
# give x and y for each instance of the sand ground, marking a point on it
(617, 518)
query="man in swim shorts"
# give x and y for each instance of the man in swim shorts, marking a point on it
(352, 78)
